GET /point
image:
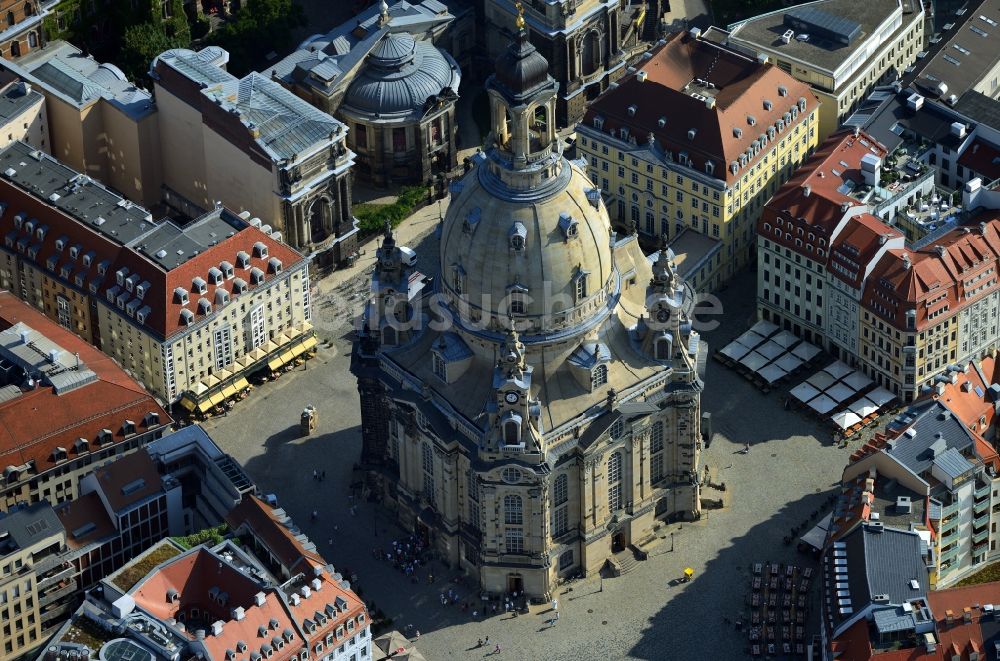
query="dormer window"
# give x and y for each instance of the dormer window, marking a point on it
(204, 306)
(187, 317)
(242, 260)
(692, 133)
(120, 276)
(256, 276)
(709, 167)
(19, 221)
(180, 296)
(260, 249)
(518, 296)
(568, 225)
(41, 232)
(517, 235)
(88, 258)
(598, 376)
(103, 266)
(199, 286)
(227, 270)
(29, 226)
(599, 123)
(143, 313)
(274, 265)
(131, 282)
(221, 297)
(214, 276)
(239, 286)
(74, 252)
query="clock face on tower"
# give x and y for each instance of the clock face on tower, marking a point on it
(511, 397)
(663, 315)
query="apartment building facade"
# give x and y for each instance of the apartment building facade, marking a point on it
(834, 272)
(23, 31)
(841, 48)
(744, 128)
(67, 407)
(187, 311)
(929, 450)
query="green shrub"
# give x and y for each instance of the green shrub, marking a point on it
(210, 536)
(372, 217)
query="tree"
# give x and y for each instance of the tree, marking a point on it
(259, 28)
(142, 43)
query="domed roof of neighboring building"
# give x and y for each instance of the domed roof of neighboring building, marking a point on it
(399, 76)
(564, 234)
(521, 67)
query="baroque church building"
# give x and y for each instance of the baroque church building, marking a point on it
(539, 410)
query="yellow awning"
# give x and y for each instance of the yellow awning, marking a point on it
(310, 343)
(287, 356)
(205, 406)
(229, 391)
(274, 363)
(241, 383)
(216, 399)
(188, 403)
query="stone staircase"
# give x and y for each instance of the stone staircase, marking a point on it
(626, 561)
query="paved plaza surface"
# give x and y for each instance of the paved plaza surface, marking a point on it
(791, 471)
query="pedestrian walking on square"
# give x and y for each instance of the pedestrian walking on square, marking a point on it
(480, 643)
(315, 474)
(555, 604)
(496, 650)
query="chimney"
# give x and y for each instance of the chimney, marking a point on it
(807, 190)
(967, 615)
(25, 336)
(317, 584)
(710, 102)
(54, 356)
(694, 33)
(949, 616)
(238, 613)
(306, 592)
(258, 599)
(295, 599)
(217, 628)
(641, 76)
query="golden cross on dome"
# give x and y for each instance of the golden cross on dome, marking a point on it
(520, 15)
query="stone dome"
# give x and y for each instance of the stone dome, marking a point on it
(563, 235)
(399, 76)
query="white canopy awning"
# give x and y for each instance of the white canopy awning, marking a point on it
(806, 351)
(764, 328)
(804, 392)
(864, 407)
(772, 373)
(837, 369)
(880, 396)
(845, 419)
(788, 362)
(821, 380)
(785, 339)
(750, 339)
(857, 380)
(754, 361)
(822, 404)
(734, 350)
(838, 392)
(770, 350)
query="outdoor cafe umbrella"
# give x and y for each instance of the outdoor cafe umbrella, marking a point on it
(392, 642)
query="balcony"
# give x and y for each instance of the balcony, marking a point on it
(951, 522)
(55, 594)
(949, 510)
(517, 448)
(55, 576)
(981, 521)
(980, 536)
(982, 491)
(980, 549)
(950, 554)
(981, 506)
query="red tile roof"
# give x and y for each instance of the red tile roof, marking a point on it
(963, 399)
(747, 102)
(193, 575)
(982, 158)
(273, 532)
(938, 279)
(164, 318)
(805, 213)
(856, 245)
(37, 422)
(962, 638)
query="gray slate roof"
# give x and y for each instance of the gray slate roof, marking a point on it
(878, 563)
(15, 99)
(927, 421)
(27, 526)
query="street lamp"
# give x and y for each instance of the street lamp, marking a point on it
(440, 215)
(671, 541)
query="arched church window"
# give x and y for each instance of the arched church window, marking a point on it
(560, 490)
(662, 349)
(512, 432)
(511, 475)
